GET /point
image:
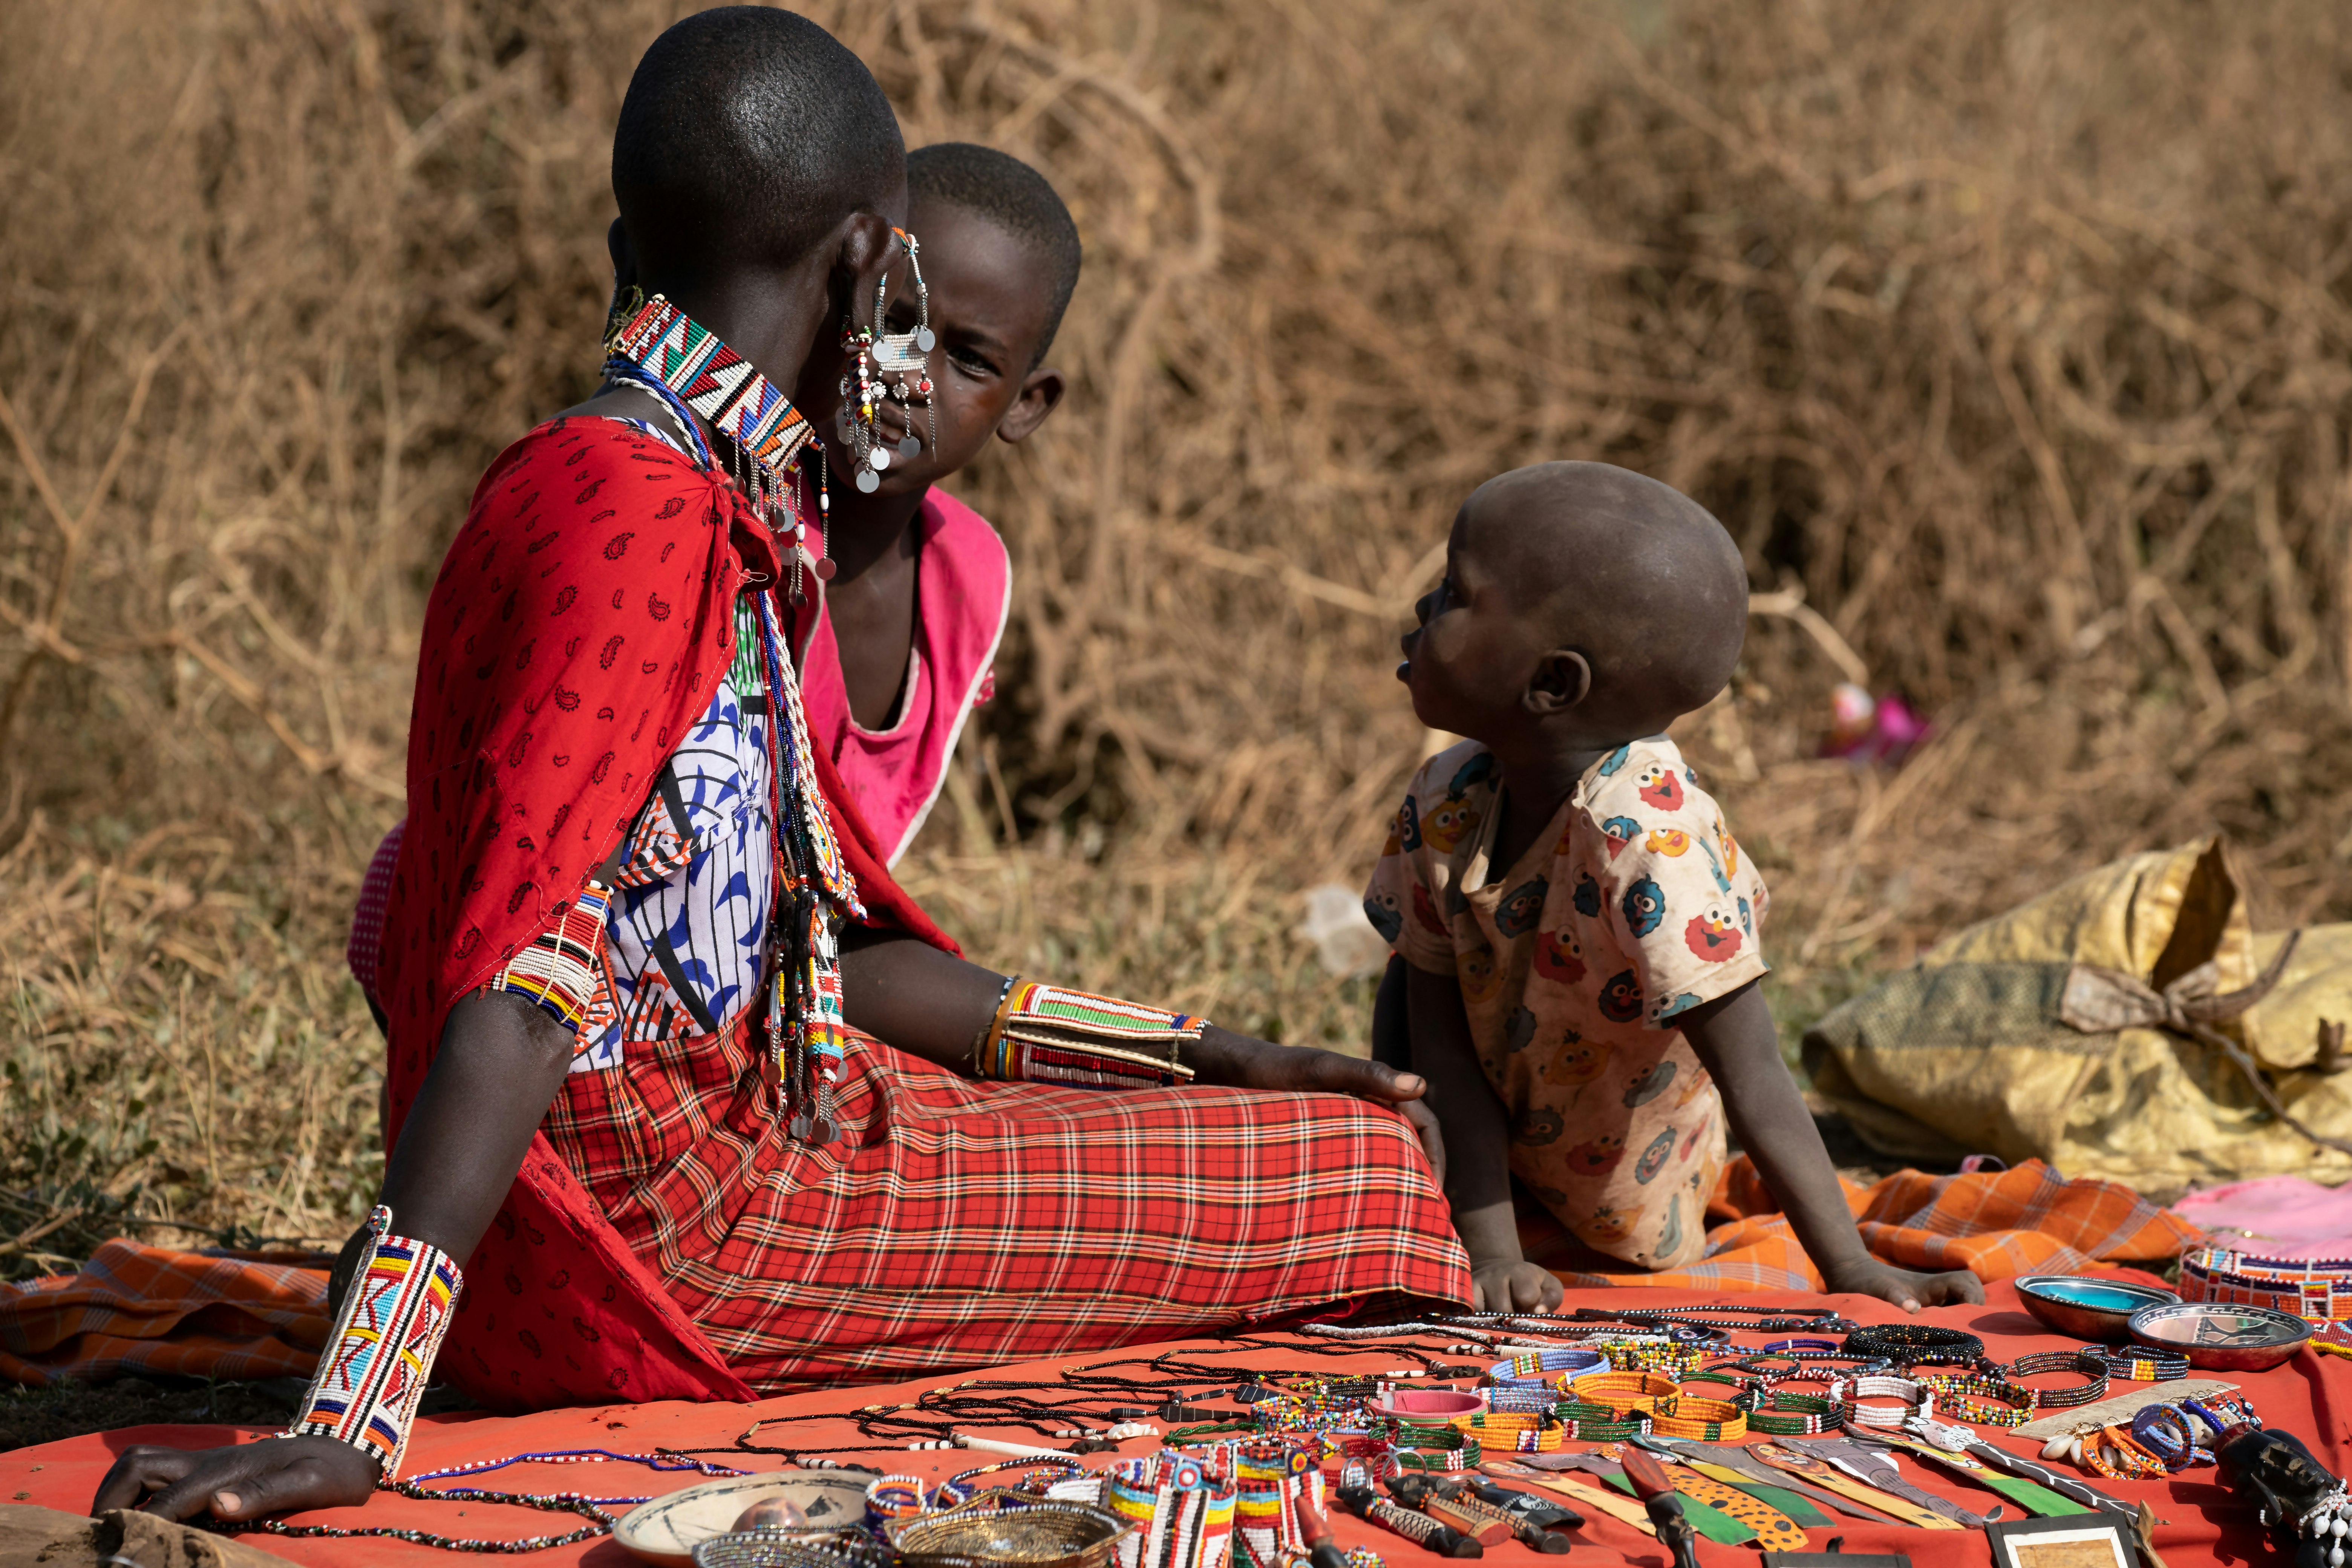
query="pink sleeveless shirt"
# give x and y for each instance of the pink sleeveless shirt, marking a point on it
(964, 590)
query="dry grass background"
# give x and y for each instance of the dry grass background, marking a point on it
(2011, 342)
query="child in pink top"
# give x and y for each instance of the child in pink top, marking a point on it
(899, 647)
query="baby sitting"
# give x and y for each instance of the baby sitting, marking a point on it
(1581, 935)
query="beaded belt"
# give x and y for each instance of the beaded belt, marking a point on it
(2319, 1289)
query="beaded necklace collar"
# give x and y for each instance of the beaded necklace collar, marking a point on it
(717, 384)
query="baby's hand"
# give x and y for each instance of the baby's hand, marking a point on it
(1512, 1287)
(1906, 1288)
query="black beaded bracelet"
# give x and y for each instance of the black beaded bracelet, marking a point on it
(2083, 1364)
(2140, 1364)
(1911, 1344)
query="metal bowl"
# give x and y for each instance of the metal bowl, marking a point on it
(2088, 1309)
(2218, 1337)
(997, 1531)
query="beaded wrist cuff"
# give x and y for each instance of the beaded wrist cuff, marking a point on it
(1050, 1034)
(2091, 1368)
(1845, 1393)
(375, 1364)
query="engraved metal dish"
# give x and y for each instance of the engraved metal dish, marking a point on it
(666, 1529)
(2088, 1309)
(2218, 1337)
(997, 1531)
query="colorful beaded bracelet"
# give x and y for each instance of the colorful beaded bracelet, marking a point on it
(2113, 1452)
(1845, 1392)
(1600, 1424)
(1981, 1399)
(2167, 1432)
(2083, 1364)
(1516, 1399)
(1674, 1357)
(1699, 1418)
(1466, 1457)
(2140, 1364)
(1624, 1390)
(1542, 1367)
(1796, 1415)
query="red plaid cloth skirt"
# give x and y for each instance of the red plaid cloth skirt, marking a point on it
(958, 1225)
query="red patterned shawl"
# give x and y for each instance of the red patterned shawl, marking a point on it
(581, 621)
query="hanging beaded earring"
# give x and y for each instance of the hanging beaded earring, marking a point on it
(906, 356)
(895, 365)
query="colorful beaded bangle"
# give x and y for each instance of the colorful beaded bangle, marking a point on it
(1704, 1420)
(2138, 1364)
(1756, 1364)
(1522, 1399)
(1466, 1458)
(1796, 1415)
(1624, 1390)
(1982, 1399)
(2082, 1364)
(894, 1496)
(1846, 1391)
(1600, 1424)
(1674, 1357)
(2112, 1452)
(1540, 1367)
(2169, 1433)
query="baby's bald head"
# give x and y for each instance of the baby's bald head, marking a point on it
(1632, 573)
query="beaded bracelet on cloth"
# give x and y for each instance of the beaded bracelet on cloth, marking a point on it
(2170, 1434)
(1540, 1368)
(895, 1496)
(1981, 1399)
(2113, 1452)
(1600, 1424)
(1912, 1344)
(376, 1362)
(2092, 1369)
(1051, 1034)
(1522, 1399)
(1466, 1458)
(1676, 1358)
(1700, 1419)
(2140, 1364)
(1418, 1434)
(1795, 1415)
(1845, 1392)
(1624, 1390)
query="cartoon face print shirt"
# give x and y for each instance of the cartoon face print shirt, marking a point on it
(1634, 906)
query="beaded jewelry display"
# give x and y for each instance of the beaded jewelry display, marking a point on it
(376, 1363)
(1051, 1034)
(1182, 1510)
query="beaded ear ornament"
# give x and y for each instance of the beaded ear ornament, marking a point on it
(892, 366)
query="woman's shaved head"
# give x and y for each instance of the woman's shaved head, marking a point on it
(747, 133)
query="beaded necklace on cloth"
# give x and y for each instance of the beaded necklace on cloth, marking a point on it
(665, 352)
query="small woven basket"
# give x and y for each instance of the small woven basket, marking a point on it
(1000, 1530)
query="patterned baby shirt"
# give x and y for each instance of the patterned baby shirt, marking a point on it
(1634, 905)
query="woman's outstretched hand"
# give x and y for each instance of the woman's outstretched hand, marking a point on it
(1238, 1061)
(279, 1476)
(1907, 1288)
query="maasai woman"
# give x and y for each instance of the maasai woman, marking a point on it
(636, 1080)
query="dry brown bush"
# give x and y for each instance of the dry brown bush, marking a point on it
(2013, 340)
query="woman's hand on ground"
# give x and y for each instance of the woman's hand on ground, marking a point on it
(276, 1476)
(1238, 1061)
(1906, 1288)
(1513, 1287)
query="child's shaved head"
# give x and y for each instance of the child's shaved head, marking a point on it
(1017, 199)
(747, 133)
(1583, 597)
(1633, 573)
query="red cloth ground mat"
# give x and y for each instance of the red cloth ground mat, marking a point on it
(2201, 1524)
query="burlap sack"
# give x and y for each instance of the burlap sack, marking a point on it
(2116, 1027)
